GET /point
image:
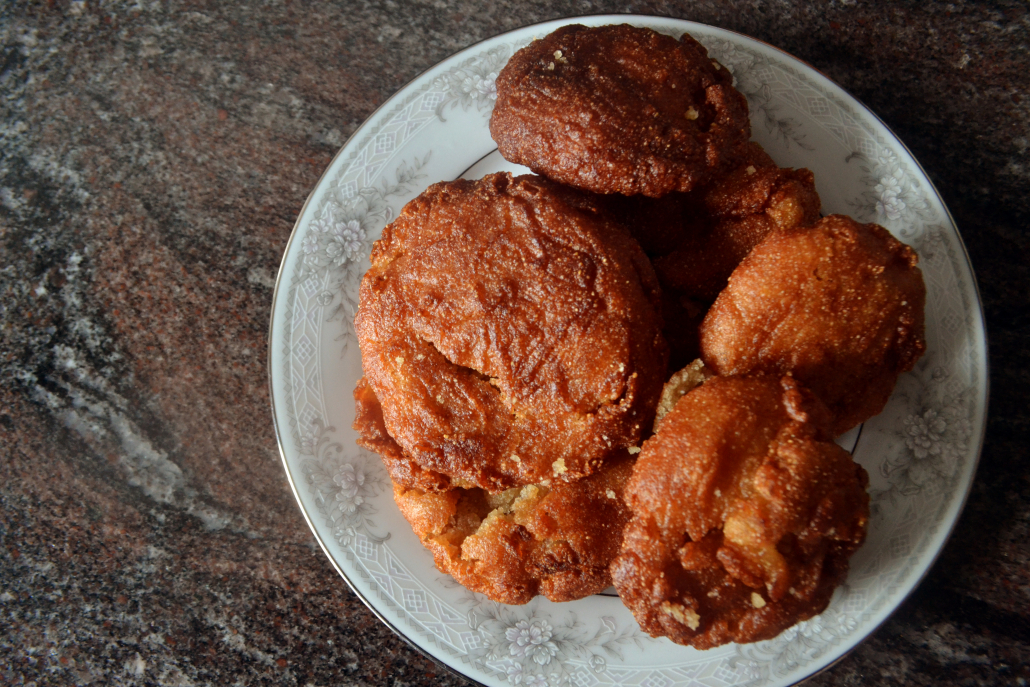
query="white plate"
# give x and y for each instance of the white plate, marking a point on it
(920, 453)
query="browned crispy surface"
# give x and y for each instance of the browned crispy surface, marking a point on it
(839, 305)
(619, 109)
(738, 211)
(511, 332)
(556, 541)
(696, 239)
(372, 434)
(744, 515)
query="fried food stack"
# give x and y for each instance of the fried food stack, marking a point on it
(516, 334)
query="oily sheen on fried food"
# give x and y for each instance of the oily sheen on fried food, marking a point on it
(515, 336)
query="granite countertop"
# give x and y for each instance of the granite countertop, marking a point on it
(154, 158)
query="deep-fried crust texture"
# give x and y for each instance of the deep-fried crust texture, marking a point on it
(511, 332)
(695, 240)
(557, 541)
(619, 109)
(372, 434)
(839, 305)
(744, 515)
(738, 211)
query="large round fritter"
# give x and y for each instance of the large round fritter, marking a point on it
(838, 305)
(744, 514)
(511, 333)
(619, 109)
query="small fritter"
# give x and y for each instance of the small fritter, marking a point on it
(838, 305)
(695, 240)
(557, 541)
(619, 109)
(744, 515)
(739, 211)
(511, 332)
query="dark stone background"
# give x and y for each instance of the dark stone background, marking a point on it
(153, 158)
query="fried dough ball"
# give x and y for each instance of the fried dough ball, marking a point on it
(739, 211)
(696, 239)
(744, 515)
(372, 434)
(839, 305)
(619, 109)
(511, 332)
(558, 541)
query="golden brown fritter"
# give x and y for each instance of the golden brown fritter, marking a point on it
(738, 211)
(619, 109)
(511, 332)
(696, 239)
(744, 515)
(557, 541)
(839, 305)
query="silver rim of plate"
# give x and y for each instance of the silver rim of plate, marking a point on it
(921, 452)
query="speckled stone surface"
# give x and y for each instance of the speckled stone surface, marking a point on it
(153, 159)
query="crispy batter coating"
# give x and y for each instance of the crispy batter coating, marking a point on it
(839, 305)
(744, 515)
(696, 239)
(372, 434)
(619, 109)
(557, 541)
(511, 332)
(738, 211)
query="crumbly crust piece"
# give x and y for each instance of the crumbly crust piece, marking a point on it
(744, 515)
(619, 109)
(511, 332)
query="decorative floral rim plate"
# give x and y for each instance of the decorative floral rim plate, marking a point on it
(921, 452)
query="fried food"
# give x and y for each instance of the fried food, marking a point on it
(838, 305)
(661, 225)
(512, 334)
(738, 211)
(695, 240)
(619, 109)
(744, 514)
(372, 434)
(557, 541)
